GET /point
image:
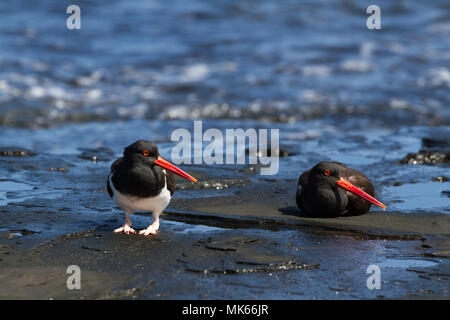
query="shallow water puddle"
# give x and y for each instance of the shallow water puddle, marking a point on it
(11, 186)
(418, 196)
(190, 228)
(174, 226)
(13, 191)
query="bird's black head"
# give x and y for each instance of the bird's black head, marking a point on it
(326, 172)
(146, 153)
(143, 150)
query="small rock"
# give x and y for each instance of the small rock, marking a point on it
(426, 157)
(440, 179)
(280, 152)
(58, 169)
(98, 154)
(19, 233)
(15, 152)
(26, 232)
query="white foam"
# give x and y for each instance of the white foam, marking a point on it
(356, 65)
(195, 72)
(316, 70)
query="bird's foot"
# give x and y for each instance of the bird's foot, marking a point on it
(150, 230)
(125, 229)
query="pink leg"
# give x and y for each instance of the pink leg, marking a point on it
(153, 228)
(126, 228)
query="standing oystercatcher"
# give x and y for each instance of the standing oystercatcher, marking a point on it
(142, 180)
(330, 189)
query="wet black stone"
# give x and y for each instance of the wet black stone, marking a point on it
(280, 152)
(426, 157)
(20, 232)
(93, 249)
(26, 232)
(440, 179)
(15, 152)
(58, 169)
(97, 154)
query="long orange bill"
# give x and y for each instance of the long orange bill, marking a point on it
(350, 187)
(167, 165)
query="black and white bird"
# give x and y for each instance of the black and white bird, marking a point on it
(330, 189)
(142, 181)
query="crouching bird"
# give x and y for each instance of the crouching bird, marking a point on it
(142, 181)
(330, 189)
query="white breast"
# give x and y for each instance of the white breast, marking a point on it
(132, 204)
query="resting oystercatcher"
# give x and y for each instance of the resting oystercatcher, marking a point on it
(330, 189)
(142, 181)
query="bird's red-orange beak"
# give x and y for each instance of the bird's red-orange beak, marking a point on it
(350, 187)
(167, 165)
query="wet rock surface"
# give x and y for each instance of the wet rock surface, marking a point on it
(262, 264)
(242, 237)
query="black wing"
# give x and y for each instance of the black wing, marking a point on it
(170, 179)
(357, 205)
(302, 181)
(116, 164)
(114, 167)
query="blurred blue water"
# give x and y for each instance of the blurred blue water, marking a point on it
(268, 60)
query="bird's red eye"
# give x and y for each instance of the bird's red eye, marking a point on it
(327, 172)
(145, 153)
